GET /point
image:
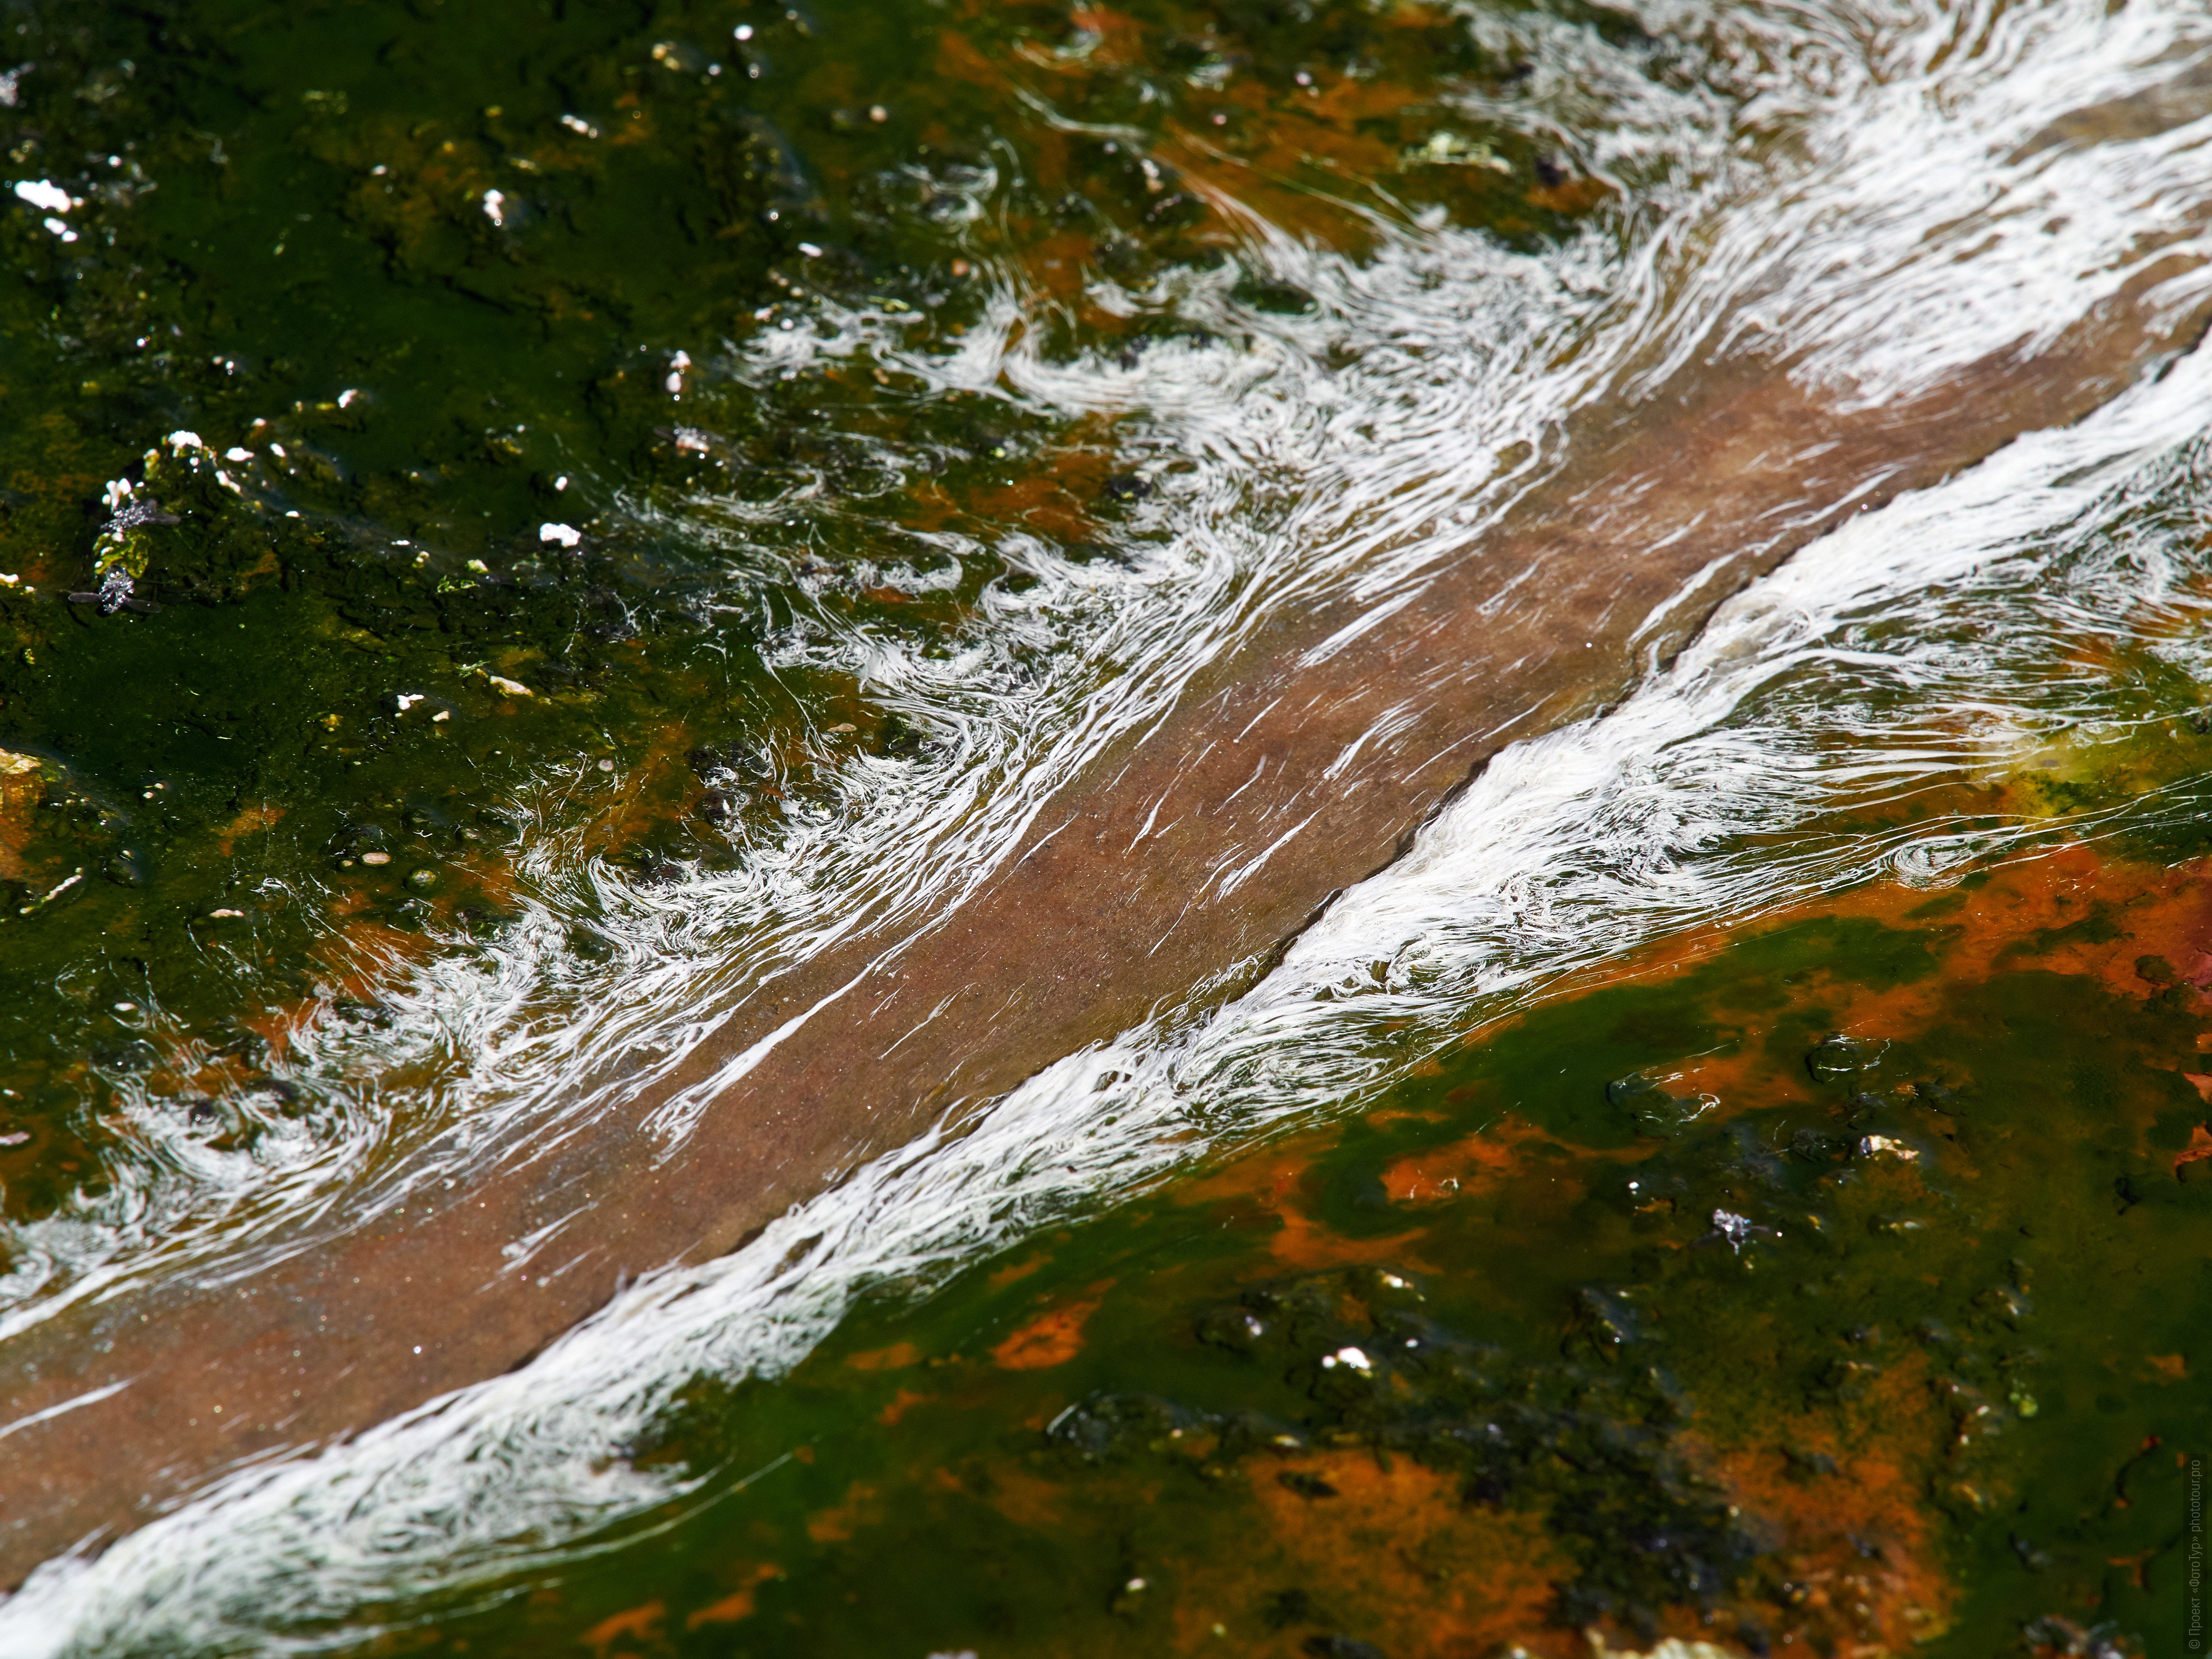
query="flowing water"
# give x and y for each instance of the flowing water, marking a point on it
(525, 525)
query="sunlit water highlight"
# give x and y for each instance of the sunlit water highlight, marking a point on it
(1879, 196)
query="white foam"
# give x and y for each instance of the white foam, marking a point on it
(43, 193)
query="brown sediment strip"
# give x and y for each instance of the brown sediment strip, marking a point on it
(1300, 769)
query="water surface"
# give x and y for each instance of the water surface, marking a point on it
(659, 496)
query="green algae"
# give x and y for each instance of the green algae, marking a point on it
(1892, 1348)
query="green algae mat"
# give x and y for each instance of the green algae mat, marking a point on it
(1836, 1288)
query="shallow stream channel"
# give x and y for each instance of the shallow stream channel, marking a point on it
(913, 828)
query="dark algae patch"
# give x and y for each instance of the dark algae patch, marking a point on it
(394, 478)
(1886, 1340)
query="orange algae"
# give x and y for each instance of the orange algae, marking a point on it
(2200, 1138)
(1050, 1340)
(861, 1507)
(1489, 1159)
(897, 1356)
(1027, 1499)
(901, 1402)
(1015, 1271)
(1842, 1495)
(740, 1603)
(1393, 1551)
(1264, 1186)
(640, 1624)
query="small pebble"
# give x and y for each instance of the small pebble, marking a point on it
(376, 857)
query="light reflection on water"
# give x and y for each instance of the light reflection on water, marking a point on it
(1878, 196)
